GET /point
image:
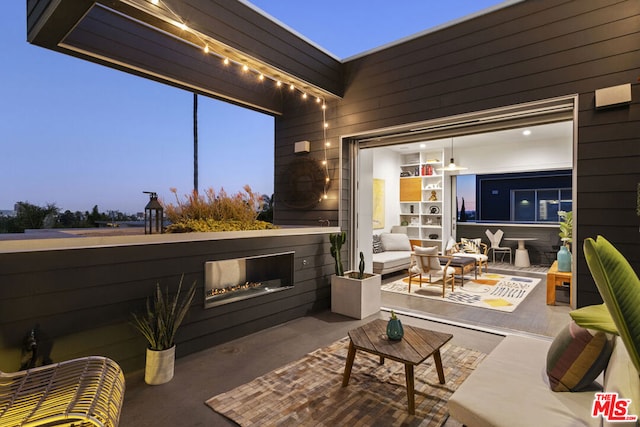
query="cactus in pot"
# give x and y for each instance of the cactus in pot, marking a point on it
(337, 240)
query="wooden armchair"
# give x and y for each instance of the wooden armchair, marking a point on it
(81, 392)
(427, 262)
(472, 248)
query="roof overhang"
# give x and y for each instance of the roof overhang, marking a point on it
(184, 43)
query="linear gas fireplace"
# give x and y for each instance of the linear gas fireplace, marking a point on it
(231, 280)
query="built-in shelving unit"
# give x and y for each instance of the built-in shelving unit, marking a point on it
(422, 188)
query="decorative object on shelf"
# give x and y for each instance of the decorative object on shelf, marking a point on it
(434, 210)
(159, 324)
(415, 220)
(404, 223)
(395, 332)
(405, 174)
(433, 236)
(452, 167)
(433, 197)
(566, 235)
(337, 240)
(411, 208)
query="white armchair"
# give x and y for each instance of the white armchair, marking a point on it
(495, 239)
(425, 261)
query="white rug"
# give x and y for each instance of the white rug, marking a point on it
(493, 291)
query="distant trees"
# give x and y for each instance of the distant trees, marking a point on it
(463, 212)
(30, 216)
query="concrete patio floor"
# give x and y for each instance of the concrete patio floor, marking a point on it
(202, 375)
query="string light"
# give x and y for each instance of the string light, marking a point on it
(213, 47)
(325, 162)
(226, 60)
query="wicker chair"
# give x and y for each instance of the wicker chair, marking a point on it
(88, 391)
(428, 264)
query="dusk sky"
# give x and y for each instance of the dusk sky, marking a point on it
(78, 134)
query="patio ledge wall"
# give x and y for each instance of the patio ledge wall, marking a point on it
(82, 291)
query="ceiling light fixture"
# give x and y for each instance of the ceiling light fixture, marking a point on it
(452, 167)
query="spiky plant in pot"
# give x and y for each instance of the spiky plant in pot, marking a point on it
(163, 316)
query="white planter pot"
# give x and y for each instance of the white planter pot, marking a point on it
(357, 298)
(159, 366)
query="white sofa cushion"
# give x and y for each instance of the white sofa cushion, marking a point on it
(387, 261)
(395, 242)
(510, 388)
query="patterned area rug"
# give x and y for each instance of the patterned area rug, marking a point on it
(309, 392)
(494, 291)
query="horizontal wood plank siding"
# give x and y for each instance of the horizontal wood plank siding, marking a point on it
(83, 298)
(245, 29)
(525, 52)
(156, 55)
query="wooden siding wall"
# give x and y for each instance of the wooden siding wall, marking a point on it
(83, 298)
(528, 51)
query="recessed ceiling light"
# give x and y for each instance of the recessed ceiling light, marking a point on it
(423, 145)
(526, 132)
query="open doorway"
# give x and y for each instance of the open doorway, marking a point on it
(404, 187)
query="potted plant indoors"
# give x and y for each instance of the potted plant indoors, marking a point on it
(159, 324)
(566, 235)
(353, 293)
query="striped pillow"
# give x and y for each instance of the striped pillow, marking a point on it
(470, 246)
(377, 244)
(576, 357)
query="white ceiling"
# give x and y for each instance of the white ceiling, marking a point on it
(562, 132)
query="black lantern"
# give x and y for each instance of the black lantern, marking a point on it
(153, 215)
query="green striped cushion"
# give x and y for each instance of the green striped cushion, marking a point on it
(576, 357)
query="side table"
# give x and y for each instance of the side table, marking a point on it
(416, 345)
(555, 278)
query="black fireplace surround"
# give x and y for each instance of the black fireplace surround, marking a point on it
(230, 280)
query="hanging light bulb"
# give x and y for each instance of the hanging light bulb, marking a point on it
(452, 167)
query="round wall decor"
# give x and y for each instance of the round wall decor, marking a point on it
(304, 181)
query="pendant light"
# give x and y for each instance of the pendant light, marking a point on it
(452, 167)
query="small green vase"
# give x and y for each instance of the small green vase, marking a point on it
(394, 330)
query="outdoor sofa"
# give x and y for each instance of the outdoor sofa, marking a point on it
(514, 385)
(391, 252)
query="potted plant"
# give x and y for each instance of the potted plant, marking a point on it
(353, 293)
(566, 235)
(159, 324)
